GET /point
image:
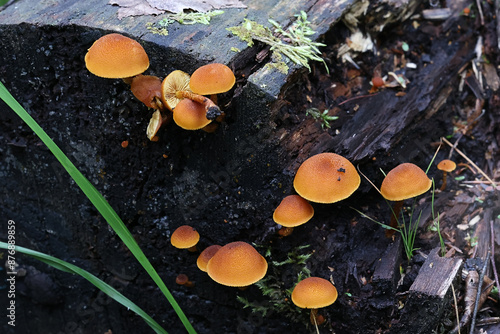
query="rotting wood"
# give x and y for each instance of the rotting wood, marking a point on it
(386, 275)
(430, 294)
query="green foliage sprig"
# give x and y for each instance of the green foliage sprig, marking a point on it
(323, 117)
(161, 27)
(294, 42)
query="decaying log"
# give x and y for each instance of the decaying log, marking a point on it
(429, 295)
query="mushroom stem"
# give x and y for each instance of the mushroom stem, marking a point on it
(443, 186)
(285, 231)
(213, 111)
(394, 219)
(314, 311)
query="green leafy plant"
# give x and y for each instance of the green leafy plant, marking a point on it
(103, 286)
(294, 42)
(277, 297)
(323, 117)
(435, 227)
(97, 200)
(161, 27)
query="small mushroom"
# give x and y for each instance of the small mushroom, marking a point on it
(147, 89)
(291, 212)
(403, 182)
(190, 115)
(314, 293)
(447, 166)
(116, 56)
(205, 256)
(183, 279)
(174, 82)
(237, 264)
(185, 237)
(326, 178)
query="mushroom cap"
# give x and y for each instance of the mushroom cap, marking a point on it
(326, 178)
(116, 56)
(447, 165)
(182, 279)
(212, 79)
(174, 82)
(314, 292)
(145, 88)
(237, 264)
(190, 115)
(293, 211)
(206, 255)
(405, 181)
(184, 237)
(154, 125)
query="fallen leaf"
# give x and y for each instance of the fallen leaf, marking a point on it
(196, 5)
(134, 8)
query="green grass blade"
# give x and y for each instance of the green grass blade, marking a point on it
(103, 286)
(97, 200)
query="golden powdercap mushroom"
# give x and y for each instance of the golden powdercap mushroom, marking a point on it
(206, 255)
(447, 165)
(146, 88)
(237, 264)
(314, 292)
(190, 115)
(326, 178)
(293, 211)
(184, 237)
(212, 79)
(116, 56)
(405, 181)
(174, 82)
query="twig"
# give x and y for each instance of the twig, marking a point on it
(456, 307)
(478, 294)
(472, 163)
(493, 265)
(480, 11)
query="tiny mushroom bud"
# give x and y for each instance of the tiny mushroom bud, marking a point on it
(185, 237)
(402, 182)
(447, 166)
(326, 178)
(116, 56)
(237, 264)
(183, 279)
(292, 211)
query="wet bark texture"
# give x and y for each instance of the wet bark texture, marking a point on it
(226, 184)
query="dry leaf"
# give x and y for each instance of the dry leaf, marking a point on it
(196, 5)
(134, 8)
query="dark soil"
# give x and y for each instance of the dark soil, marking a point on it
(227, 183)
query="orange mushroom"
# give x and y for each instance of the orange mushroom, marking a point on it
(155, 123)
(291, 212)
(326, 178)
(174, 82)
(183, 279)
(116, 56)
(237, 264)
(314, 293)
(403, 182)
(147, 89)
(185, 237)
(447, 166)
(206, 255)
(190, 115)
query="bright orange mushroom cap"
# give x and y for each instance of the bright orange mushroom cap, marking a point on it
(405, 181)
(212, 79)
(314, 292)
(190, 115)
(237, 264)
(206, 255)
(326, 178)
(116, 56)
(293, 211)
(184, 237)
(447, 165)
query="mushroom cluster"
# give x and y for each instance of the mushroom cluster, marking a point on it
(178, 96)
